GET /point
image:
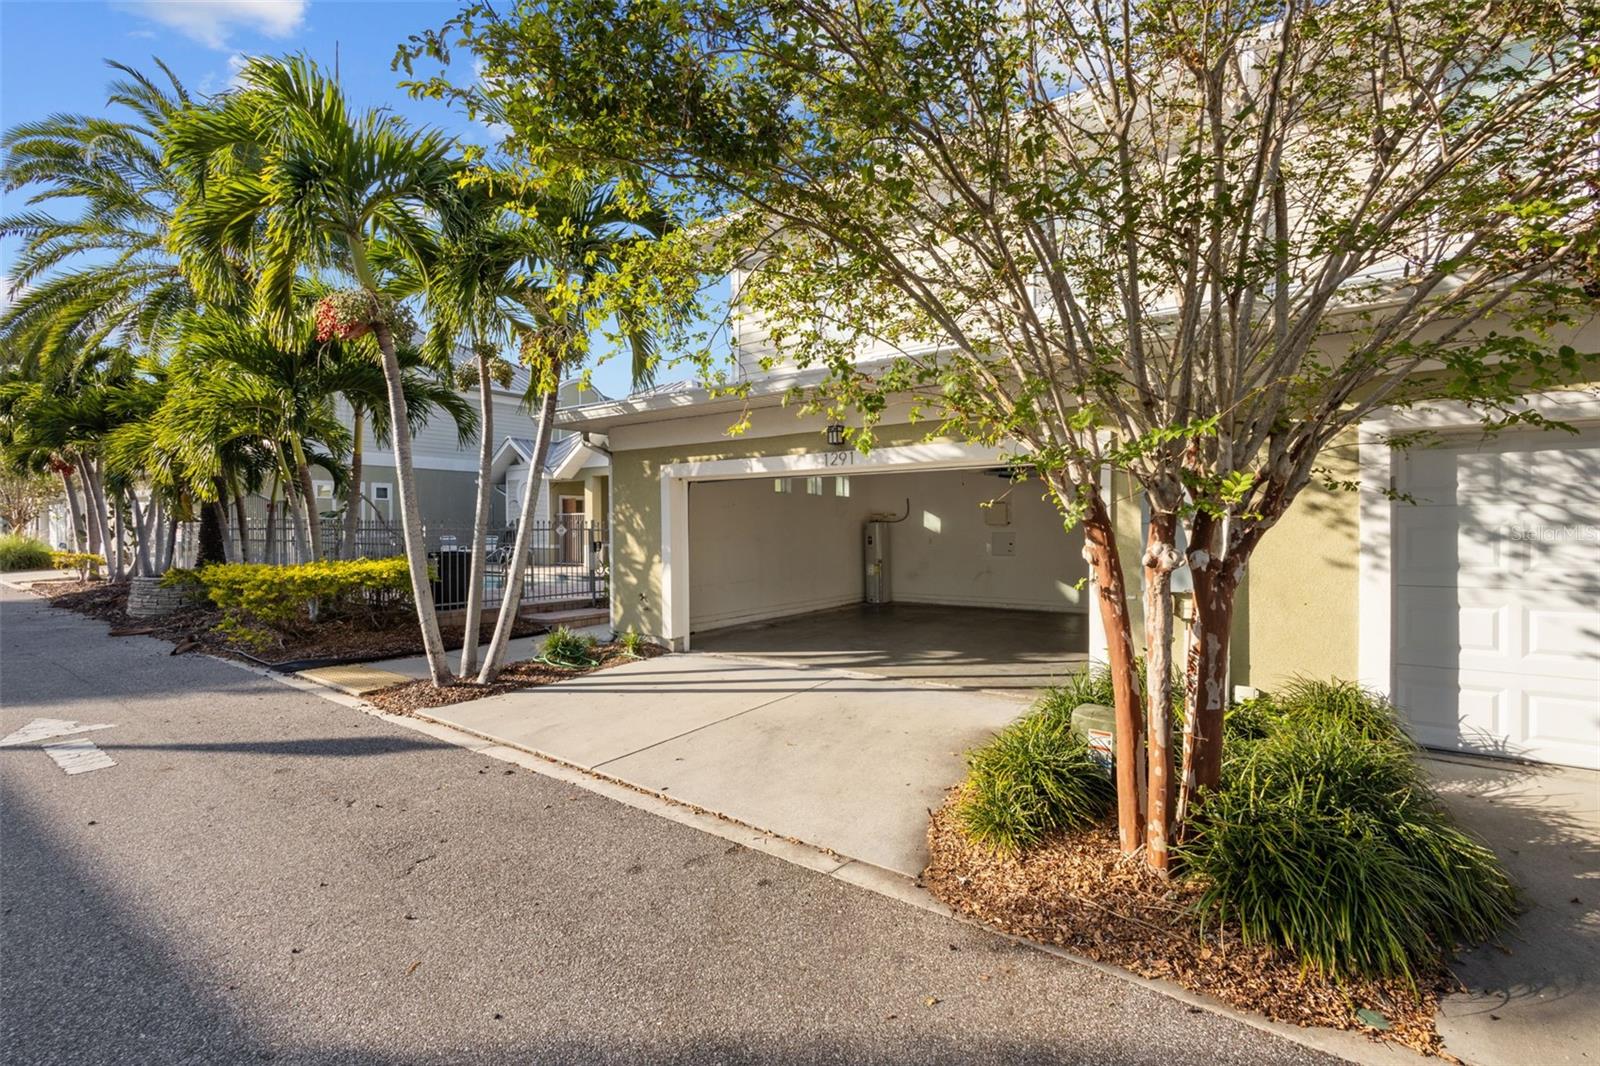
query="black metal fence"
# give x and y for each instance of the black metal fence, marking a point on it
(568, 560)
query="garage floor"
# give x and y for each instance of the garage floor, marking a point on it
(1013, 653)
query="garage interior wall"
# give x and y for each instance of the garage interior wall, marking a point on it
(757, 553)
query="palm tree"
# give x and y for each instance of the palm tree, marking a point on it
(586, 232)
(283, 174)
(75, 416)
(107, 271)
(474, 272)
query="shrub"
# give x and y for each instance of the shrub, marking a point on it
(1328, 841)
(23, 553)
(632, 641)
(1250, 719)
(566, 648)
(1036, 775)
(85, 563)
(260, 602)
(1339, 704)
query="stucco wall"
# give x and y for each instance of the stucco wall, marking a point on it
(1297, 611)
(636, 507)
(945, 550)
(757, 553)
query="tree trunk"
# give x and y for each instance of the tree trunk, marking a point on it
(293, 513)
(143, 521)
(95, 510)
(1160, 559)
(308, 494)
(410, 518)
(480, 522)
(213, 540)
(118, 570)
(74, 522)
(352, 496)
(1216, 584)
(269, 553)
(242, 519)
(494, 658)
(1100, 547)
(170, 544)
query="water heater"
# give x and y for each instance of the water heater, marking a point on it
(875, 551)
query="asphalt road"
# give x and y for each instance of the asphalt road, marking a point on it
(268, 876)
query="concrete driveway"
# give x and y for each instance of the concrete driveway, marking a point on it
(844, 761)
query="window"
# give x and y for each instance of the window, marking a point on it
(380, 493)
(814, 486)
(841, 486)
(780, 484)
(324, 489)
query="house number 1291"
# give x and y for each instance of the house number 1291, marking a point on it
(844, 458)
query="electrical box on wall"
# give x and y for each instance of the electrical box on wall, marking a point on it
(1002, 544)
(997, 513)
(875, 549)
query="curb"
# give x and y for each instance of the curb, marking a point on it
(1345, 1044)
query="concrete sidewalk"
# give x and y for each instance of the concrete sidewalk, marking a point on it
(23, 580)
(847, 762)
(1536, 997)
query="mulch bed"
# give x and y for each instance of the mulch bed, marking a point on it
(191, 629)
(413, 696)
(1076, 891)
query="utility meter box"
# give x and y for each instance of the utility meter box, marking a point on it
(875, 552)
(1097, 724)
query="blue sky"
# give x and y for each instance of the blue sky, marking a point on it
(53, 52)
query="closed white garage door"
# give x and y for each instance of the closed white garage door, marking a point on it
(1497, 597)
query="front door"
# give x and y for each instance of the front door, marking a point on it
(569, 530)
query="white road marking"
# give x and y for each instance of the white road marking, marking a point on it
(45, 728)
(78, 756)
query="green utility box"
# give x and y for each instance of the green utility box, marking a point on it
(1097, 724)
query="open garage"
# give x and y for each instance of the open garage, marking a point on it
(963, 577)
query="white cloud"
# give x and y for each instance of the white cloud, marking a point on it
(211, 21)
(236, 63)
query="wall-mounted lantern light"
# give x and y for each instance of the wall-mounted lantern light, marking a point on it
(836, 435)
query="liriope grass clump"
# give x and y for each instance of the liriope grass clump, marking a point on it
(1327, 839)
(1036, 775)
(1345, 705)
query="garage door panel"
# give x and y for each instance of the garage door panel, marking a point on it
(1497, 597)
(1429, 629)
(1443, 713)
(1432, 544)
(1565, 723)
(1562, 641)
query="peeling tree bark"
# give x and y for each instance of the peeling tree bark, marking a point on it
(1216, 585)
(1160, 559)
(1100, 548)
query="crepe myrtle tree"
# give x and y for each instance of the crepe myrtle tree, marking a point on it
(1196, 241)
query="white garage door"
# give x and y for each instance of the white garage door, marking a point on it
(1497, 597)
